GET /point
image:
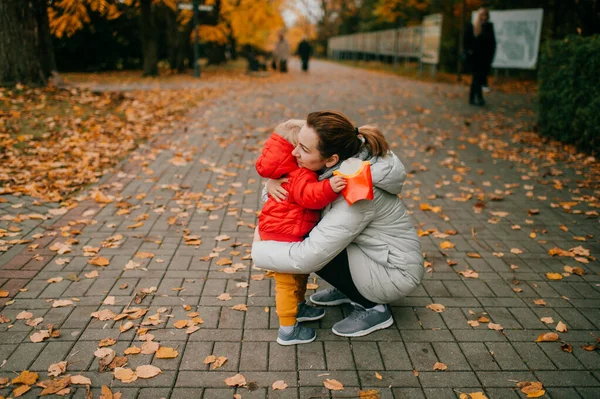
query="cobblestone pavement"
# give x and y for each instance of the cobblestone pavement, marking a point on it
(473, 168)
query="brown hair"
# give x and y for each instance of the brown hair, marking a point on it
(337, 135)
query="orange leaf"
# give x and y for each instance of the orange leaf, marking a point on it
(237, 380)
(165, 352)
(547, 337)
(279, 385)
(440, 366)
(99, 261)
(333, 385)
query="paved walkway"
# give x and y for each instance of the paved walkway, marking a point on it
(474, 176)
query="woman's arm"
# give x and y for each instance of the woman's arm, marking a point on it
(336, 230)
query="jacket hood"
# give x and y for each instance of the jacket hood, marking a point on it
(276, 159)
(387, 172)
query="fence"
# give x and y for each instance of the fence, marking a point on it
(403, 42)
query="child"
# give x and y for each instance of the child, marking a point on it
(290, 221)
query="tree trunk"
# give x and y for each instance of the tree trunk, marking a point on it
(26, 53)
(149, 39)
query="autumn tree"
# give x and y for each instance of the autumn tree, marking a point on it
(26, 53)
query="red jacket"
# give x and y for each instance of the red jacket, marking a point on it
(292, 219)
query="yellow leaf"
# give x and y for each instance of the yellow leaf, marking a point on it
(99, 261)
(446, 245)
(26, 377)
(17, 392)
(554, 276)
(547, 337)
(440, 366)
(132, 350)
(181, 324)
(333, 385)
(165, 352)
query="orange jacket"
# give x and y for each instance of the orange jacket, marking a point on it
(292, 219)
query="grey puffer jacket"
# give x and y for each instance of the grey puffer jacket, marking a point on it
(384, 251)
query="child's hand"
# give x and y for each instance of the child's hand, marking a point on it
(338, 183)
(275, 190)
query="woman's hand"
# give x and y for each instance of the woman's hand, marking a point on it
(275, 190)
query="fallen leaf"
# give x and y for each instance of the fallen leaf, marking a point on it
(532, 389)
(107, 342)
(333, 385)
(57, 369)
(60, 303)
(4, 293)
(165, 352)
(473, 255)
(147, 371)
(539, 302)
(561, 327)
(126, 327)
(469, 273)
(105, 393)
(224, 297)
(125, 375)
(236, 380)
(547, 337)
(92, 274)
(55, 280)
(312, 286)
(24, 315)
(446, 245)
(554, 276)
(17, 392)
(279, 385)
(80, 380)
(218, 362)
(436, 307)
(99, 261)
(223, 237)
(39, 336)
(144, 255)
(210, 359)
(241, 307)
(370, 394)
(181, 323)
(567, 348)
(497, 327)
(440, 366)
(104, 314)
(150, 347)
(132, 350)
(378, 376)
(26, 377)
(54, 386)
(547, 320)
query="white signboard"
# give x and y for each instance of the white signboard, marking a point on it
(518, 35)
(432, 34)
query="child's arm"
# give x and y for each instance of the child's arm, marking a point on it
(310, 193)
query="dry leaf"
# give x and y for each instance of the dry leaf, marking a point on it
(333, 385)
(547, 320)
(440, 366)
(181, 323)
(147, 371)
(60, 303)
(55, 280)
(26, 377)
(312, 286)
(132, 350)
(4, 293)
(224, 297)
(99, 261)
(539, 302)
(80, 380)
(57, 369)
(92, 274)
(165, 352)
(126, 327)
(24, 315)
(103, 315)
(554, 276)
(19, 391)
(144, 255)
(378, 376)
(497, 327)
(54, 386)
(125, 375)
(149, 347)
(236, 380)
(473, 255)
(107, 342)
(370, 394)
(446, 245)
(469, 273)
(532, 389)
(39, 336)
(436, 307)
(547, 337)
(242, 307)
(210, 359)
(220, 361)
(561, 327)
(279, 385)
(105, 393)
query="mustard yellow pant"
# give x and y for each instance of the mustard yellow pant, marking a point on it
(289, 292)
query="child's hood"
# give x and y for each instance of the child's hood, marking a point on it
(276, 158)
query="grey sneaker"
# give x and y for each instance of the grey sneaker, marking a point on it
(309, 313)
(299, 335)
(363, 322)
(329, 297)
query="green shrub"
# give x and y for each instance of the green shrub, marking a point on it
(569, 91)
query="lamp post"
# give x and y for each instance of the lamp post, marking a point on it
(196, 8)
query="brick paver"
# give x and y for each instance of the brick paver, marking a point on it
(448, 150)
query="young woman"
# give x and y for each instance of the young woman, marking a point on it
(369, 251)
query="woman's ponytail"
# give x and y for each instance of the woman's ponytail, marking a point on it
(375, 140)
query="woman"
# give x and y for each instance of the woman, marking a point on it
(480, 47)
(369, 251)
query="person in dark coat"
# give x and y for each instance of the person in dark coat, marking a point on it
(304, 50)
(480, 47)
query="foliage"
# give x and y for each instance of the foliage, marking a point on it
(569, 92)
(392, 10)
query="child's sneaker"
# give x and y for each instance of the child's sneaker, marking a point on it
(309, 313)
(329, 297)
(299, 335)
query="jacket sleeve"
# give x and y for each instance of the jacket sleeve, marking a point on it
(492, 43)
(310, 193)
(336, 230)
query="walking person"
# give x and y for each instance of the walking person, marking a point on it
(480, 48)
(282, 53)
(368, 251)
(304, 51)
